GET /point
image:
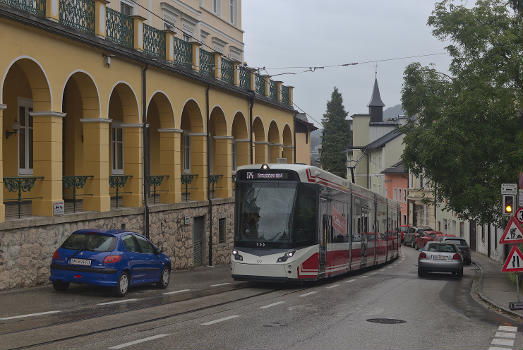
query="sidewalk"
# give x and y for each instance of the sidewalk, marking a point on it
(494, 286)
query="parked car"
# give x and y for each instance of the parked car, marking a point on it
(110, 258)
(440, 257)
(424, 237)
(409, 236)
(462, 246)
(404, 229)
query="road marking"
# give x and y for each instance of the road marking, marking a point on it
(271, 305)
(497, 348)
(505, 335)
(220, 320)
(177, 291)
(499, 341)
(307, 294)
(29, 315)
(363, 276)
(118, 302)
(333, 286)
(219, 284)
(121, 346)
(349, 281)
(508, 328)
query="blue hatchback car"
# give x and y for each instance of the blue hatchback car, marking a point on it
(111, 258)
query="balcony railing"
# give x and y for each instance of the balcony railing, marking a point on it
(285, 96)
(75, 183)
(206, 63)
(155, 181)
(20, 184)
(119, 28)
(153, 41)
(227, 71)
(245, 78)
(117, 182)
(273, 91)
(36, 7)
(213, 180)
(183, 53)
(187, 180)
(260, 84)
(78, 14)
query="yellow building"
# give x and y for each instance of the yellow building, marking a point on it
(102, 102)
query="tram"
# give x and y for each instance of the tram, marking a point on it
(298, 222)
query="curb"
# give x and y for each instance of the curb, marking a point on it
(498, 308)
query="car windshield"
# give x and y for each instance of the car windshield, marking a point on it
(92, 241)
(441, 248)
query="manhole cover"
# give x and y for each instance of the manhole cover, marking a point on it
(385, 320)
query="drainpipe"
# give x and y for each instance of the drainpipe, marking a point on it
(209, 172)
(251, 104)
(145, 156)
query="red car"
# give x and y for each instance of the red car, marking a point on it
(425, 237)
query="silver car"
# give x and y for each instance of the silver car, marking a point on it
(440, 257)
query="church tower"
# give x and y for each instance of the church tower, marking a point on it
(376, 104)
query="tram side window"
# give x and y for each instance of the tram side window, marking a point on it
(305, 225)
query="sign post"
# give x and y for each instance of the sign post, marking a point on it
(514, 234)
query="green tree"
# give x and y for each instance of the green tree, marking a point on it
(336, 136)
(466, 136)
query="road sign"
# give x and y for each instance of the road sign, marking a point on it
(514, 261)
(513, 233)
(509, 188)
(519, 216)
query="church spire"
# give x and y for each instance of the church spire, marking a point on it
(376, 104)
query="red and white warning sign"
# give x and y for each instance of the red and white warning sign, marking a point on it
(514, 261)
(513, 233)
(519, 213)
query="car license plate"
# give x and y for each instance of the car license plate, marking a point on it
(439, 257)
(83, 262)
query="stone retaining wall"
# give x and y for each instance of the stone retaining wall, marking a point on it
(27, 245)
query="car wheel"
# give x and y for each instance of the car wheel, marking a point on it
(122, 286)
(60, 286)
(164, 278)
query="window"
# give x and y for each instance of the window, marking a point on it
(404, 219)
(130, 244)
(405, 196)
(145, 246)
(217, 7)
(25, 137)
(221, 230)
(461, 229)
(233, 11)
(421, 181)
(186, 153)
(126, 8)
(117, 150)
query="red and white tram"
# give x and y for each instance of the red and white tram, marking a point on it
(299, 222)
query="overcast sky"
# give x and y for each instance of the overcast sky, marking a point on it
(282, 33)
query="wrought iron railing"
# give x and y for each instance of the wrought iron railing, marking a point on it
(187, 180)
(20, 184)
(213, 179)
(153, 41)
(260, 84)
(206, 63)
(155, 181)
(285, 96)
(245, 78)
(36, 7)
(183, 53)
(119, 28)
(227, 71)
(117, 182)
(273, 90)
(78, 14)
(75, 182)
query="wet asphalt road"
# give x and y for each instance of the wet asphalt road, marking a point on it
(437, 312)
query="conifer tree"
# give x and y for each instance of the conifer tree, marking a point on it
(336, 136)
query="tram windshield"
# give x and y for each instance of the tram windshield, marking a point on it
(275, 214)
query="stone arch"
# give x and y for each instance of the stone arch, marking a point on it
(162, 146)
(288, 150)
(125, 143)
(260, 142)
(273, 137)
(193, 153)
(220, 153)
(240, 141)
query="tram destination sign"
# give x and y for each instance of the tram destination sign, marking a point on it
(266, 175)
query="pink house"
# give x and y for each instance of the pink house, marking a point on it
(396, 186)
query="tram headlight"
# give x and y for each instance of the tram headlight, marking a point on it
(237, 255)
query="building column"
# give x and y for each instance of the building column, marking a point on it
(100, 18)
(138, 32)
(47, 150)
(170, 165)
(242, 152)
(169, 45)
(132, 154)
(96, 153)
(2, 206)
(198, 187)
(288, 152)
(223, 166)
(52, 10)
(261, 150)
(274, 152)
